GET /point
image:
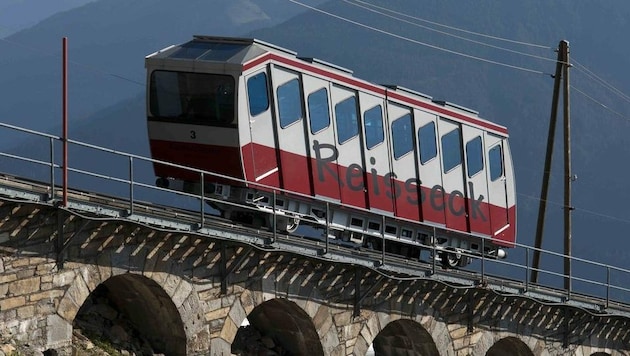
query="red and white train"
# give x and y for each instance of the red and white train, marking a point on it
(247, 109)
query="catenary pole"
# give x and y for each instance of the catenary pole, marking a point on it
(568, 177)
(542, 206)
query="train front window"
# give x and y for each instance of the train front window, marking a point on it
(199, 98)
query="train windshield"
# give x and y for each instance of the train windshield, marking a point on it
(196, 98)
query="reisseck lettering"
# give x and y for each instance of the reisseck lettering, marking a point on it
(439, 199)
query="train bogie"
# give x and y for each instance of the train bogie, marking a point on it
(302, 140)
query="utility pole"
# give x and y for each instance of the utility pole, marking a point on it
(568, 176)
(562, 70)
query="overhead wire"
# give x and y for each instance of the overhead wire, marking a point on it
(581, 67)
(407, 39)
(356, 3)
(456, 28)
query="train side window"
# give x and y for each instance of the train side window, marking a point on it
(495, 159)
(257, 94)
(318, 110)
(402, 136)
(346, 119)
(374, 126)
(474, 156)
(451, 150)
(289, 102)
(426, 140)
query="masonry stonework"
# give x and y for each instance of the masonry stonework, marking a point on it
(196, 292)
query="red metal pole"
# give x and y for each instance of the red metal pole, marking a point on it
(65, 121)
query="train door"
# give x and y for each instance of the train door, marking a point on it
(432, 202)
(350, 168)
(404, 177)
(497, 189)
(291, 139)
(262, 168)
(476, 180)
(376, 154)
(454, 200)
(321, 138)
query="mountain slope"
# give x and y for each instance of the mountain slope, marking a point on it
(517, 95)
(108, 40)
(16, 15)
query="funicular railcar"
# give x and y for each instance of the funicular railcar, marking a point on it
(393, 162)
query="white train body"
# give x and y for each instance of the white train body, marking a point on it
(253, 111)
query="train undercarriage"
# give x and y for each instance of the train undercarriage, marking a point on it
(350, 227)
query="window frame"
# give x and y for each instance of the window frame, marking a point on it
(491, 165)
(250, 96)
(478, 154)
(353, 125)
(408, 145)
(310, 112)
(422, 142)
(447, 149)
(367, 119)
(287, 107)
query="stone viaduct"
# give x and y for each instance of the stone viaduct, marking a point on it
(190, 295)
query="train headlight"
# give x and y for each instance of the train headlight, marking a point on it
(501, 253)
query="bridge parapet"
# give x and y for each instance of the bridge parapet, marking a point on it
(204, 287)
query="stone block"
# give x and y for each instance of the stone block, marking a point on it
(25, 273)
(237, 313)
(181, 293)
(10, 303)
(67, 309)
(217, 314)
(24, 286)
(63, 279)
(27, 311)
(6, 278)
(58, 332)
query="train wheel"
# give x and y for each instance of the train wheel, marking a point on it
(450, 259)
(285, 223)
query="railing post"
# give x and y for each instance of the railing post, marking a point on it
(526, 269)
(433, 241)
(274, 218)
(607, 286)
(52, 169)
(327, 226)
(203, 200)
(131, 185)
(483, 259)
(383, 242)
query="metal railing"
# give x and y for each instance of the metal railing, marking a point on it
(591, 279)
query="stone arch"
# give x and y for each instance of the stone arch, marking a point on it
(404, 336)
(600, 354)
(509, 346)
(281, 324)
(423, 333)
(131, 303)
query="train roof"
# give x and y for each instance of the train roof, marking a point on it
(240, 54)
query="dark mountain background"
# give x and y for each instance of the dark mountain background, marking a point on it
(16, 15)
(110, 38)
